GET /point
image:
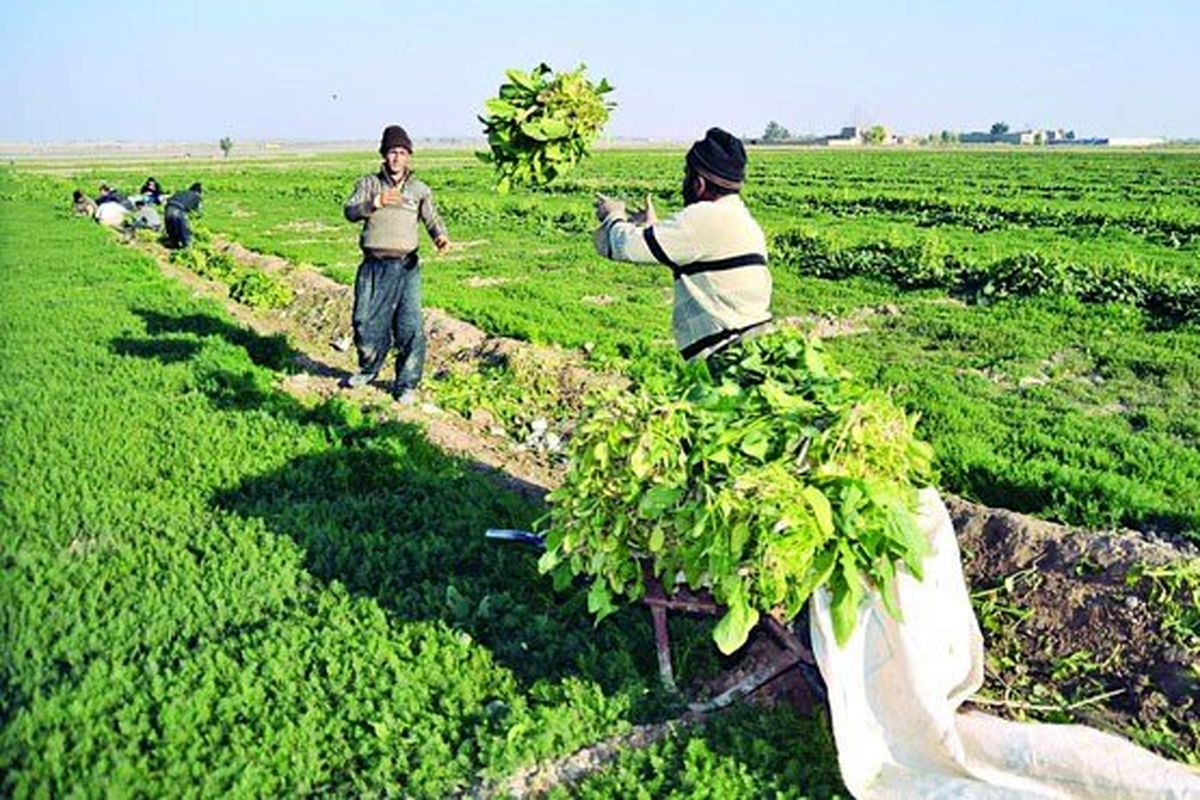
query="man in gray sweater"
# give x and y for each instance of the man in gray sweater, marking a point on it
(387, 290)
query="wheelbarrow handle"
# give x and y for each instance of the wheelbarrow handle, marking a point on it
(537, 540)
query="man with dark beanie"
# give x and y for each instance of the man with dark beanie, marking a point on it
(179, 233)
(387, 290)
(716, 251)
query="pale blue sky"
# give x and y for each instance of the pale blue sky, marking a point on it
(167, 70)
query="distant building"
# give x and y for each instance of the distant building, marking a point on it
(1055, 137)
(987, 137)
(1113, 141)
(850, 136)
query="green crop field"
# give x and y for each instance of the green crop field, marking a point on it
(212, 588)
(1039, 310)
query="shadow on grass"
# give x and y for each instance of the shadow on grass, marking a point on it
(391, 517)
(394, 518)
(167, 351)
(272, 352)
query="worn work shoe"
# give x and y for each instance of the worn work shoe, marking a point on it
(406, 397)
(358, 379)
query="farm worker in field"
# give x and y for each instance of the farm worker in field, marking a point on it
(387, 290)
(144, 216)
(179, 232)
(716, 251)
(151, 192)
(108, 194)
(111, 214)
(82, 204)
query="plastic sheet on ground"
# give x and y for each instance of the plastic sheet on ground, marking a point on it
(895, 690)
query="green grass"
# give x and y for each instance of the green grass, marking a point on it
(210, 589)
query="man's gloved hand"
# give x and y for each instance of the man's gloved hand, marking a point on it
(607, 207)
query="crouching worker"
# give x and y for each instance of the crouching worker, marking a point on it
(82, 205)
(145, 217)
(387, 290)
(715, 250)
(179, 232)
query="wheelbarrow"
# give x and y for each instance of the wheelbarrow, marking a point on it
(793, 650)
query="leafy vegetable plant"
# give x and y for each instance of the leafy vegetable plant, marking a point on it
(778, 477)
(541, 124)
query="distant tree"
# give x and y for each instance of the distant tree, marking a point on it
(1069, 135)
(776, 133)
(999, 128)
(1039, 137)
(226, 145)
(949, 137)
(876, 135)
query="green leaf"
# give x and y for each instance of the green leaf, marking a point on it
(739, 535)
(734, 628)
(500, 109)
(822, 510)
(656, 540)
(600, 453)
(844, 612)
(521, 79)
(554, 128)
(639, 463)
(814, 360)
(657, 500)
(600, 600)
(756, 444)
(548, 561)
(534, 130)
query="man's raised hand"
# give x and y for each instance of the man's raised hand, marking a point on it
(607, 207)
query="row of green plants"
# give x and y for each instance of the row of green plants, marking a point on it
(248, 286)
(980, 215)
(925, 265)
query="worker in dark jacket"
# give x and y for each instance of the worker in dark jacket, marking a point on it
(387, 290)
(179, 233)
(109, 194)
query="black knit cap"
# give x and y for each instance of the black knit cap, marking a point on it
(394, 136)
(719, 154)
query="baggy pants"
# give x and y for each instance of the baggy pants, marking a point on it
(387, 310)
(179, 233)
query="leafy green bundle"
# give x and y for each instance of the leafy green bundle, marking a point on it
(541, 124)
(777, 478)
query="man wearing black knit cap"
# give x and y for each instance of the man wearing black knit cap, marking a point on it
(387, 290)
(716, 251)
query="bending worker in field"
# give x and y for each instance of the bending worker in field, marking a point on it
(179, 231)
(716, 251)
(387, 290)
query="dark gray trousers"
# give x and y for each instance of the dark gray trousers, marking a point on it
(387, 311)
(179, 233)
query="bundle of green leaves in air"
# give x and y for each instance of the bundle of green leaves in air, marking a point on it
(541, 124)
(778, 478)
